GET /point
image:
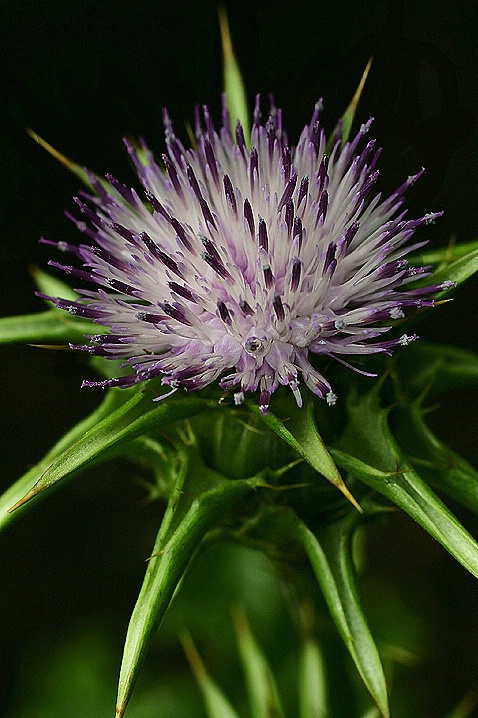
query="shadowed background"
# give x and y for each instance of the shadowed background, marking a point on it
(82, 75)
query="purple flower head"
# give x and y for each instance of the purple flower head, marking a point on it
(244, 262)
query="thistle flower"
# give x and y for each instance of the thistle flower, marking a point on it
(246, 262)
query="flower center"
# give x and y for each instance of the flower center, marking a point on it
(257, 346)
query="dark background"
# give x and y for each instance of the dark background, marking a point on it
(83, 74)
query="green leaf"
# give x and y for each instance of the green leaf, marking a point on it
(346, 122)
(137, 416)
(313, 701)
(53, 325)
(263, 695)
(217, 705)
(439, 465)
(302, 435)
(436, 368)
(50, 327)
(73, 167)
(238, 444)
(372, 712)
(330, 554)
(233, 82)
(457, 271)
(349, 114)
(151, 454)
(445, 255)
(369, 452)
(52, 286)
(113, 398)
(200, 498)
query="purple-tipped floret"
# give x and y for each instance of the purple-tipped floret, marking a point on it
(244, 262)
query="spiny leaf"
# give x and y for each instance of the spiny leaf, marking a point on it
(233, 82)
(77, 169)
(331, 559)
(369, 452)
(442, 467)
(349, 114)
(50, 327)
(13, 495)
(192, 511)
(344, 127)
(136, 417)
(299, 430)
(83, 174)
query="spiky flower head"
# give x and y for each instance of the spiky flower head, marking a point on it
(243, 263)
